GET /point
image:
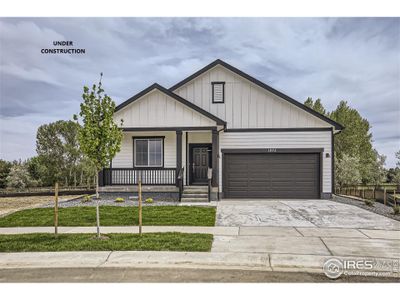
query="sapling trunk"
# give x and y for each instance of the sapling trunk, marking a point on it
(97, 184)
(140, 205)
(97, 206)
(56, 209)
(98, 218)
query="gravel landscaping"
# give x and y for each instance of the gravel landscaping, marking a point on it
(110, 202)
(378, 208)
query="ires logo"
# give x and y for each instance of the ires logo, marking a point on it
(334, 267)
(358, 264)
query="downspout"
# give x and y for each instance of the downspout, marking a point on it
(222, 129)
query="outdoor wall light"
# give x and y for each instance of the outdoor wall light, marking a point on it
(327, 155)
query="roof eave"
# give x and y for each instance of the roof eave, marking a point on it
(174, 96)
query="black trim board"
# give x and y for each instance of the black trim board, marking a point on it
(260, 84)
(278, 129)
(168, 128)
(186, 157)
(273, 150)
(174, 96)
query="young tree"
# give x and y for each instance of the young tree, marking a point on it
(99, 136)
(346, 170)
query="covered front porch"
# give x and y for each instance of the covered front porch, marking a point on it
(164, 159)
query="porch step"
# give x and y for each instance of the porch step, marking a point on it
(194, 195)
(185, 191)
(195, 188)
(194, 199)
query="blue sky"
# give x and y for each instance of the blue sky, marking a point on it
(353, 59)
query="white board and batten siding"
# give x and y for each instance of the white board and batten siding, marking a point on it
(124, 158)
(284, 139)
(157, 109)
(246, 104)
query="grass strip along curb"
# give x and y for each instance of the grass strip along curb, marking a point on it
(113, 216)
(166, 241)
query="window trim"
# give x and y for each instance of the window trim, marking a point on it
(213, 83)
(162, 138)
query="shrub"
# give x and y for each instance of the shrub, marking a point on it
(149, 200)
(119, 200)
(369, 202)
(87, 198)
(396, 210)
(19, 177)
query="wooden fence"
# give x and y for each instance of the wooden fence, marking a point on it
(45, 191)
(386, 194)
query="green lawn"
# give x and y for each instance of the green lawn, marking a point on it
(113, 216)
(167, 241)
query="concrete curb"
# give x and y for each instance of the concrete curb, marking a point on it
(179, 260)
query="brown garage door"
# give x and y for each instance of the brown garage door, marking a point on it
(271, 175)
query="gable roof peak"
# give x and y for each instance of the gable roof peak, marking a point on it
(172, 95)
(261, 84)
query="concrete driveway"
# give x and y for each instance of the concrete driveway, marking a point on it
(299, 213)
(304, 233)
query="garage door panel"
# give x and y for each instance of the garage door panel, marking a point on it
(272, 175)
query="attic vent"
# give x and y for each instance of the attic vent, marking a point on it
(218, 92)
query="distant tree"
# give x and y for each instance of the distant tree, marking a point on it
(309, 102)
(346, 170)
(5, 168)
(36, 169)
(317, 105)
(396, 178)
(58, 151)
(355, 140)
(375, 170)
(19, 177)
(391, 175)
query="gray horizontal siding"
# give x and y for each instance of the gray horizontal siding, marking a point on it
(287, 139)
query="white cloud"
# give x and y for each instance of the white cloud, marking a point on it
(334, 59)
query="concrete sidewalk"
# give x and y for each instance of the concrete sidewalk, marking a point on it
(299, 249)
(124, 229)
(223, 231)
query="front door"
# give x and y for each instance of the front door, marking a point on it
(200, 163)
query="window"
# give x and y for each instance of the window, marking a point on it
(148, 152)
(218, 92)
